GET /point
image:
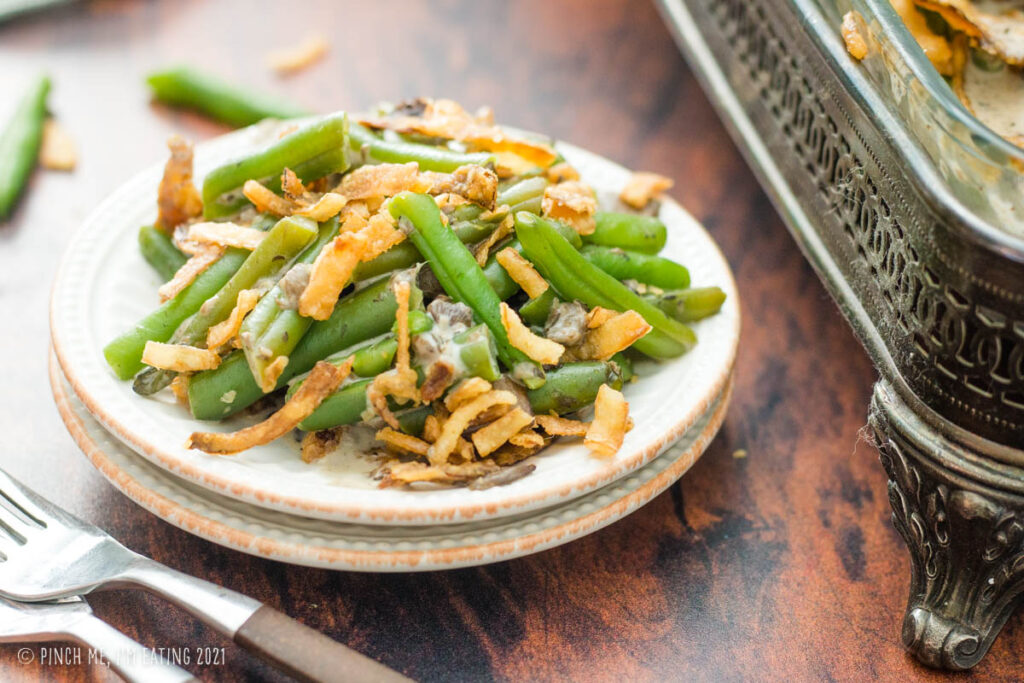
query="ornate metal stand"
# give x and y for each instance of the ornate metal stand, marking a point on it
(964, 525)
(937, 302)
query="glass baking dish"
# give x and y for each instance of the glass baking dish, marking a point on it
(983, 170)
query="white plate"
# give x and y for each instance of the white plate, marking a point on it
(359, 547)
(103, 286)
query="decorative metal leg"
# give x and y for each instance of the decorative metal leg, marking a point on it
(962, 517)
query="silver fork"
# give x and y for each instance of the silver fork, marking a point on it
(47, 553)
(72, 619)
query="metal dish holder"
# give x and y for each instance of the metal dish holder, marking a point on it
(894, 223)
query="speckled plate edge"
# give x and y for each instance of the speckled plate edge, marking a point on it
(88, 376)
(352, 547)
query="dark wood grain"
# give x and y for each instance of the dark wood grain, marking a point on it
(782, 565)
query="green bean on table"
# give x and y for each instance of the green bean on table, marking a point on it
(19, 143)
(183, 86)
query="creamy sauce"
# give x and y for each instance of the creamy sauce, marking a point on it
(997, 98)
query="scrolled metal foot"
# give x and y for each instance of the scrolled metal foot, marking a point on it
(963, 522)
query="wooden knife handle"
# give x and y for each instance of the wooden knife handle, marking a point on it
(306, 654)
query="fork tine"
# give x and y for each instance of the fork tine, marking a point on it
(22, 499)
(12, 526)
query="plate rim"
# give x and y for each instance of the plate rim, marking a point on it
(340, 559)
(340, 510)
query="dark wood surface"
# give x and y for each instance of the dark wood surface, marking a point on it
(782, 565)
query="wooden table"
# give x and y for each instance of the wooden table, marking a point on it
(780, 565)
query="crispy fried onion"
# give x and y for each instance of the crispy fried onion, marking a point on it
(504, 229)
(642, 187)
(447, 119)
(476, 183)
(460, 420)
(561, 426)
(522, 271)
(226, 235)
(855, 43)
(528, 438)
(572, 203)
(200, 260)
(487, 439)
(559, 173)
(316, 445)
(179, 358)
(610, 424)
(336, 262)
(402, 442)
(57, 151)
(598, 315)
(399, 473)
(297, 200)
(466, 391)
(320, 384)
(227, 329)
(473, 183)
(298, 57)
(177, 198)
(613, 334)
(539, 349)
(399, 382)
(997, 27)
(328, 206)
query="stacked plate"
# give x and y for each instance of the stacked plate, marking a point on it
(267, 502)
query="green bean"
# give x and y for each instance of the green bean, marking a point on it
(502, 283)
(460, 276)
(645, 234)
(186, 87)
(688, 305)
(270, 331)
(405, 254)
(268, 260)
(19, 143)
(313, 151)
(572, 387)
(525, 195)
(362, 315)
(633, 265)
(536, 310)
(575, 278)
(345, 406)
(372, 148)
(159, 250)
(124, 354)
(625, 365)
(477, 352)
(374, 359)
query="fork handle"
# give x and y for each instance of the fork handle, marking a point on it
(298, 650)
(132, 661)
